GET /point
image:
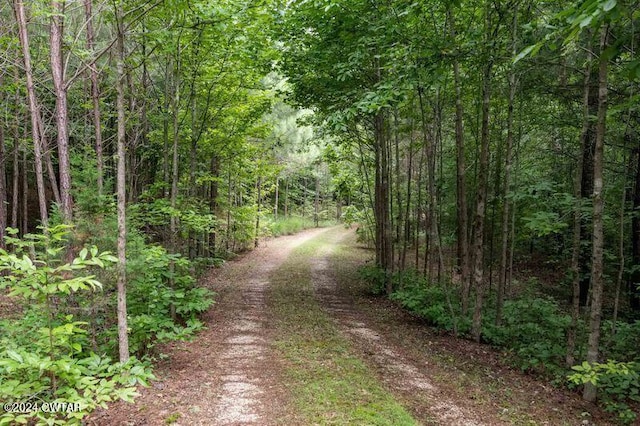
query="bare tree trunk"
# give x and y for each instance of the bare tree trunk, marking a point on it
(483, 172)
(275, 204)
(286, 198)
(597, 279)
(123, 338)
(95, 97)
(634, 290)
(51, 172)
(407, 219)
(461, 185)
(15, 179)
(623, 201)
(62, 120)
(259, 206)
(165, 125)
(316, 204)
(502, 277)
(34, 109)
(3, 184)
(577, 222)
(25, 193)
(381, 200)
(418, 210)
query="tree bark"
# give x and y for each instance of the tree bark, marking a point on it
(578, 220)
(3, 184)
(62, 120)
(123, 338)
(34, 109)
(597, 279)
(95, 97)
(502, 277)
(316, 204)
(256, 240)
(15, 179)
(461, 185)
(483, 172)
(634, 284)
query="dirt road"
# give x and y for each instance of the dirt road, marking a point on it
(237, 372)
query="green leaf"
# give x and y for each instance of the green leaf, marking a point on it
(608, 5)
(14, 355)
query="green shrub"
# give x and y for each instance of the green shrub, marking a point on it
(624, 343)
(618, 384)
(51, 362)
(427, 301)
(534, 330)
(159, 285)
(376, 278)
(289, 225)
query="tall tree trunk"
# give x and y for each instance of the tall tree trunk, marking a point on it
(398, 181)
(25, 194)
(62, 120)
(316, 204)
(259, 206)
(483, 172)
(407, 218)
(95, 97)
(15, 179)
(51, 172)
(586, 191)
(121, 183)
(502, 277)
(578, 220)
(381, 199)
(34, 109)
(461, 185)
(213, 202)
(277, 196)
(3, 184)
(597, 279)
(634, 284)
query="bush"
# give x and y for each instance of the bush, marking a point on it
(375, 276)
(159, 288)
(622, 345)
(618, 384)
(534, 331)
(51, 362)
(427, 301)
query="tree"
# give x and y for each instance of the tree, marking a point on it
(123, 339)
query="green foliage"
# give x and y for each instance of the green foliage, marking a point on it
(424, 299)
(624, 343)
(618, 384)
(51, 362)
(533, 329)
(375, 276)
(159, 283)
(289, 225)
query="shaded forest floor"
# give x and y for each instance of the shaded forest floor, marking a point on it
(295, 338)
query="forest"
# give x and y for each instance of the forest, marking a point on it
(486, 152)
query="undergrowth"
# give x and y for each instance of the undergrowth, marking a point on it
(532, 334)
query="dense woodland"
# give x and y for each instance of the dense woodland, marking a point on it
(487, 150)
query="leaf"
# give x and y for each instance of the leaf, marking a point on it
(608, 5)
(14, 355)
(83, 253)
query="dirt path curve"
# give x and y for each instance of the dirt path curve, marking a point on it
(400, 373)
(225, 376)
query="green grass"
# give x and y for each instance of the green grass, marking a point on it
(328, 384)
(292, 224)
